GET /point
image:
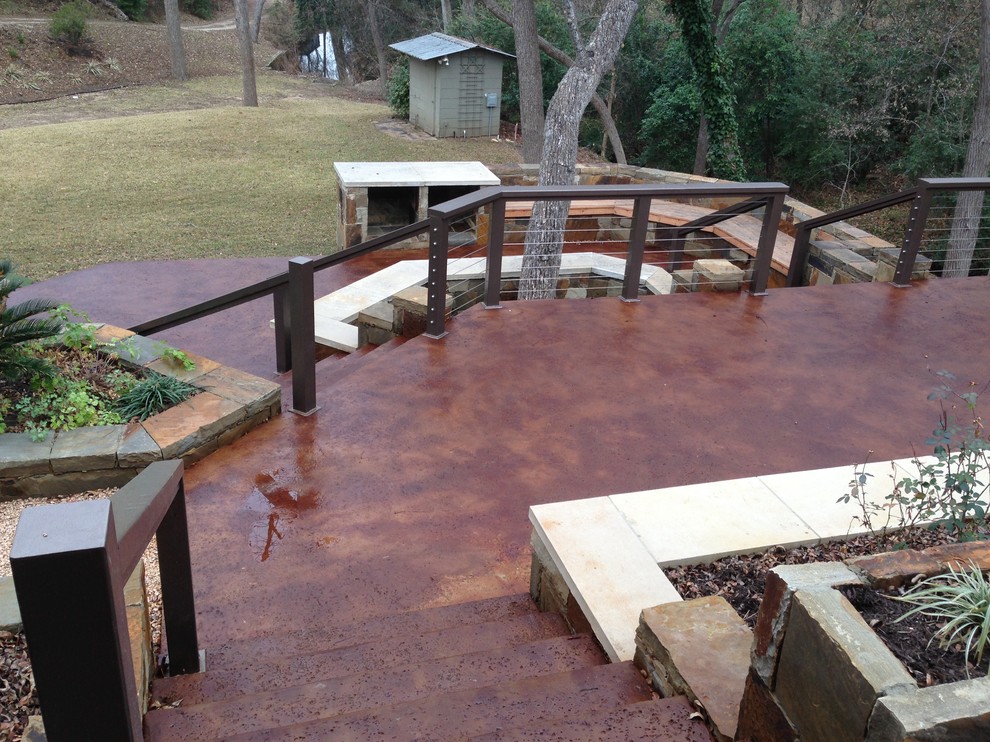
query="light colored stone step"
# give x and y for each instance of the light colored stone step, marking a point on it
(336, 334)
(608, 571)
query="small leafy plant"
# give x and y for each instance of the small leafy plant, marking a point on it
(176, 358)
(151, 395)
(953, 489)
(960, 599)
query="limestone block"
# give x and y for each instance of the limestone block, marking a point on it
(169, 368)
(833, 668)
(246, 389)
(413, 300)
(698, 648)
(51, 485)
(576, 293)
(955, 712)
(85, 449)
(717, 275)
(21, 457)
(137, 448)
(189, 425)
(771, 622)
(887, 259)
(547, 585)
(139, 632)
(683, 280)
(760, 717)
(894, 568)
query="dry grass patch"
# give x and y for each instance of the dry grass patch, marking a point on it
(219, 182)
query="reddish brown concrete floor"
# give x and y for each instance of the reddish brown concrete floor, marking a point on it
(410, 487)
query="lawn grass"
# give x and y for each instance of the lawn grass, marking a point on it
(217, 182)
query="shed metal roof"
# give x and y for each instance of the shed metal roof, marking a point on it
(436, 45)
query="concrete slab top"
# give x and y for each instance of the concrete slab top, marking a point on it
(395, 174)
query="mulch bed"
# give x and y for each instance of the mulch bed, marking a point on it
(17, 697)
(741, 579)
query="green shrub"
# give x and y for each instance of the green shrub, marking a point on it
(59, 403)
(398, 89)
(68, 24)
(151, 395)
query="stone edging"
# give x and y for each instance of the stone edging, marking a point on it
(819, 671)
(230, 404)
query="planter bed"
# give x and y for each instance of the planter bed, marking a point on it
(230, 404)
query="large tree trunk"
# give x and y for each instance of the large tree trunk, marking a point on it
(447, 13)
(544, 238)
(467, 8)
(340, 57)
(376, 36)
(243, 23)
(601, 107)
(530, 79)
(176, 52)
(969, 206)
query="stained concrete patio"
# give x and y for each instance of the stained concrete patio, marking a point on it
(410, 487)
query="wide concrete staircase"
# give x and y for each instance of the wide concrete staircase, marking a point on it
(494, 669)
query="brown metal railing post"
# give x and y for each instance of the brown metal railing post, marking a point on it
(303, 336)
(493, 270)
(912, 236)
(637, 243)
(437, 282)
(799, 256)
(64, 564)
(764, 251)
(178, 604)
(283, 330)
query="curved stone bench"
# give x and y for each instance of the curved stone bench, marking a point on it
(230, 404)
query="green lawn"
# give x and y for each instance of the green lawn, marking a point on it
(216, 182)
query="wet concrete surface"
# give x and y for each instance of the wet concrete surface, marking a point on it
(410, 487)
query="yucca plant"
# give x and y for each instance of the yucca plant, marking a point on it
(19, 324)
(151, 395)
(962, 600)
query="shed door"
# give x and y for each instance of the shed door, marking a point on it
(471, 100)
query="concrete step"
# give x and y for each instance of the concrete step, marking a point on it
(250, 673)
(306, 639)
(471, 712)
(343, 366)
(659, 720)
(386, 684)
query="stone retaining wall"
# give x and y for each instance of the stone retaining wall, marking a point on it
(230, 404)
(840, 252)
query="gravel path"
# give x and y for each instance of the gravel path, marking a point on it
(18, 698)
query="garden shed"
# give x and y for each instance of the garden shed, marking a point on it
(455, 85)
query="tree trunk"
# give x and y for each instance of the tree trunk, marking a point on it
(176, 52)
(530, 79)
(243, 23)
(701, 150)
(258, 10)
(468, 9)
(447, 13)
(544, 238)
(969, 206)
(601, 107)
(376, 36)
(340, 57)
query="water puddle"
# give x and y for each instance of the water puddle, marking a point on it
(277, 504)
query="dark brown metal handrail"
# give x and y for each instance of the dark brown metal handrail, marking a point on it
(769, 196)
(920, 196)
(70, 562)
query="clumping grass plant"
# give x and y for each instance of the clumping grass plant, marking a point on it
(962, 600)
(151, 395)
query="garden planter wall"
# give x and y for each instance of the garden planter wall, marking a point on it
(819, 672)
(230, 404)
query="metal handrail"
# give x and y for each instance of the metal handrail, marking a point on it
(920, 196)
(769, 196)
(70, 562)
